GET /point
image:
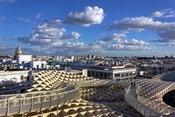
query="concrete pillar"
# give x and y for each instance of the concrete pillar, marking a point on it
(85, 72)
(8, 104)
(113, 76)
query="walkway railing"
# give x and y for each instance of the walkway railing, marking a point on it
(38, 101)
(156, 107)
(28, 102)
(145, 106)
(146, 111)
(104, 82)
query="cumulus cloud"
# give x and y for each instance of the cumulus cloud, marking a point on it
(78, 48)
(48, 34)
(52, 23)
(45, 39)
(38, 15)
(116, 46)
(23, 19)
(73, 35)
(157, 14)
(2, 18)
(141, 23)
(165, 13)
(115, 36)
(120, 42)
(165, 30)
(133, 42)
(7, 1)
(50, 37)
(91, 15)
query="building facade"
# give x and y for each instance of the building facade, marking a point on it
(112, 72)
(38, 64)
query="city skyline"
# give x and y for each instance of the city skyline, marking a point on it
(102, 28)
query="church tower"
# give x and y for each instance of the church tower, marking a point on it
(18, 51)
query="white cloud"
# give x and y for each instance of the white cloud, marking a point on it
(91, 15)
(165, 13)
(115, 36)
(165, 30)
(54, 40)
(120, 42)
(49, 37)
(133, 42)
(73, 35)
(52, 23)
(38, 15)
(23, 19)
(141, 23)
(48, 34)
(157, 14)
(117, 46)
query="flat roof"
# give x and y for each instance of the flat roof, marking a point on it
(112, 67)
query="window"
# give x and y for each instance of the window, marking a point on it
(22, 77)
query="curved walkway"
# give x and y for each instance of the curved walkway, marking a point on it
(145, 95)
(29, 102)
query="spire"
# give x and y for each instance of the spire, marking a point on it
(18, 50)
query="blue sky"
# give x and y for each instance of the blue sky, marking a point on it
(79, 27)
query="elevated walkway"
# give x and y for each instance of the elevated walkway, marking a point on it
(36, 101)
(145, 95)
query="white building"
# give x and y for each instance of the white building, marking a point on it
(22, 59)
(38, 64)
(9, 77)
(112, 72)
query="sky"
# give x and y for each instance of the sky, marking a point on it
(81, 27)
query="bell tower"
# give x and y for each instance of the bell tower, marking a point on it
(18, 51)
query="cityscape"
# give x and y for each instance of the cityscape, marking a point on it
(87, 58)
